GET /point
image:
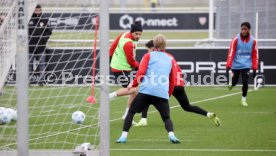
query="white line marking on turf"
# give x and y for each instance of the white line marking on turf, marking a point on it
(156, 140)
(44, 136)
(199, 150)
(205, 100)
(252, 112)
(199, 101)
(272, 140)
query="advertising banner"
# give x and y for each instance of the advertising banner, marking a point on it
(120, 21)
(200, 66)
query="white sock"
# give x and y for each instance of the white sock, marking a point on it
(243, 98)
(209, 114)
(112, 95)
(171, 133)
(144, 119)
(125, 114)
(124, 134)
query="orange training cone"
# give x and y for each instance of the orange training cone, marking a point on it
(91, 99)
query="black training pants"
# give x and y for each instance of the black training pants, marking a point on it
(245, 75)
(142, 101)
(181, 96)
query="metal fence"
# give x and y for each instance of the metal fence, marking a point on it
(231, 13)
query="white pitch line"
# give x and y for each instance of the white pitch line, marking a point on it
(198, 150)
(205, 100)
(209, 99)
(195, 102)
(272, 140)
(252, 113)
(157, 140)
(215, 98)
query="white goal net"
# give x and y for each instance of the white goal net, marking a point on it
(7, 38)
(61, 68)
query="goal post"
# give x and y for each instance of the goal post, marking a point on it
(22, 126)
(45, 109)
(104, 71)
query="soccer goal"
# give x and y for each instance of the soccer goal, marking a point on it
(61, 78)
(7, 39)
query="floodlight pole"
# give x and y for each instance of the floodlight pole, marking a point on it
(257, 25)
(22, 79)
(211, 19)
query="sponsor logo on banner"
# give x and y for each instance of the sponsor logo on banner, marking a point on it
(126, 21)
(93, 20)
(200, 66)
(21, 15)
(202, 20)
(72, 21)
(122, 21)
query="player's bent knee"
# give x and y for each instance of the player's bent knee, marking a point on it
(186, 108)
(165, 117)
(131, 111)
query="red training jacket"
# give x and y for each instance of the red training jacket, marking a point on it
(232, 53)
(129, 48)
(143, 69)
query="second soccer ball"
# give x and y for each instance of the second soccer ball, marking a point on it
(78, 117)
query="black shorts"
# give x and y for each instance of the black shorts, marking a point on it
(123, 78)
(236, 74)
(142, 101)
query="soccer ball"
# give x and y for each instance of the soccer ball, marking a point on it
(78, 117)
(5, 116)
(12, 113)
(2, 109)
